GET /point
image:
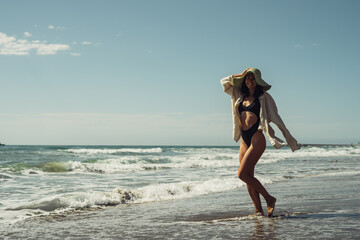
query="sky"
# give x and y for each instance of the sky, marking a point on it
(142, 72)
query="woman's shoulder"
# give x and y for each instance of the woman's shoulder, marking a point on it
(265, 95)
(267, 99)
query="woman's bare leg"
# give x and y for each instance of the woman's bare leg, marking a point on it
(246, 169)
(255, 196)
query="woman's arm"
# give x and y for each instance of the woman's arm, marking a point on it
(273, 116)
(226, 83)
(241, 74)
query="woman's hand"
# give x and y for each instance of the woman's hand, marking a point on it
(241, 74)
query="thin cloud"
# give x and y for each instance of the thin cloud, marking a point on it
(27, 34)
(75, 54)
(301, 46)
(86, 43)
(298, 46)
(316, 45)
(11, 46)
(60, 28)
(50, 49)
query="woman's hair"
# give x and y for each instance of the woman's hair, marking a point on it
(244, 90)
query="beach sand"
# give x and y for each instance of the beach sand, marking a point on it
(325, 207)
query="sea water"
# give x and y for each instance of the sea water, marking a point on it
(37, 181)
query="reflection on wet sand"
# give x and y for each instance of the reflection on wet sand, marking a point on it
(263, 229)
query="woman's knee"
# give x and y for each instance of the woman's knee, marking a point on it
(244, 175)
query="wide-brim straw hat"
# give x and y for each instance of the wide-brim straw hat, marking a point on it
(238, 81)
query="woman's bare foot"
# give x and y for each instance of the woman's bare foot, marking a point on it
(257, 213)
(271, 207)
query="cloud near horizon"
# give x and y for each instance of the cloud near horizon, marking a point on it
(27, 34)
(11, 46)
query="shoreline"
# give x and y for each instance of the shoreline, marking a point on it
(304, 211)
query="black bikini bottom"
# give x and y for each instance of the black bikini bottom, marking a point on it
(248, 134)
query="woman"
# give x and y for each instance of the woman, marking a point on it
(253, 110)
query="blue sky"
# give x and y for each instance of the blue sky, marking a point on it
(148, 72)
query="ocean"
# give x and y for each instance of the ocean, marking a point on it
(175, 192)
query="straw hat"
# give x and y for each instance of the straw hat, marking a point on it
(238, 81)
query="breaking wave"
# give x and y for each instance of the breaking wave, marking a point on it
(150, 193)
(114, 151)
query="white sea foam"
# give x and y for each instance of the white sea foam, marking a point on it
(4, 177)
(342, 173)
(112, 151)
(121, 165)
(55, 173)
(150, 193)
(200, 160)
(132, 164)
(55, 167)
(274, 155)
(167, 191)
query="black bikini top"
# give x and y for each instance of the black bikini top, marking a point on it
(254, 107)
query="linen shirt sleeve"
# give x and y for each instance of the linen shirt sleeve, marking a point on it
(226, 83)
(273, 116)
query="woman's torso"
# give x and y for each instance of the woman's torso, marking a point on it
(249, 110)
